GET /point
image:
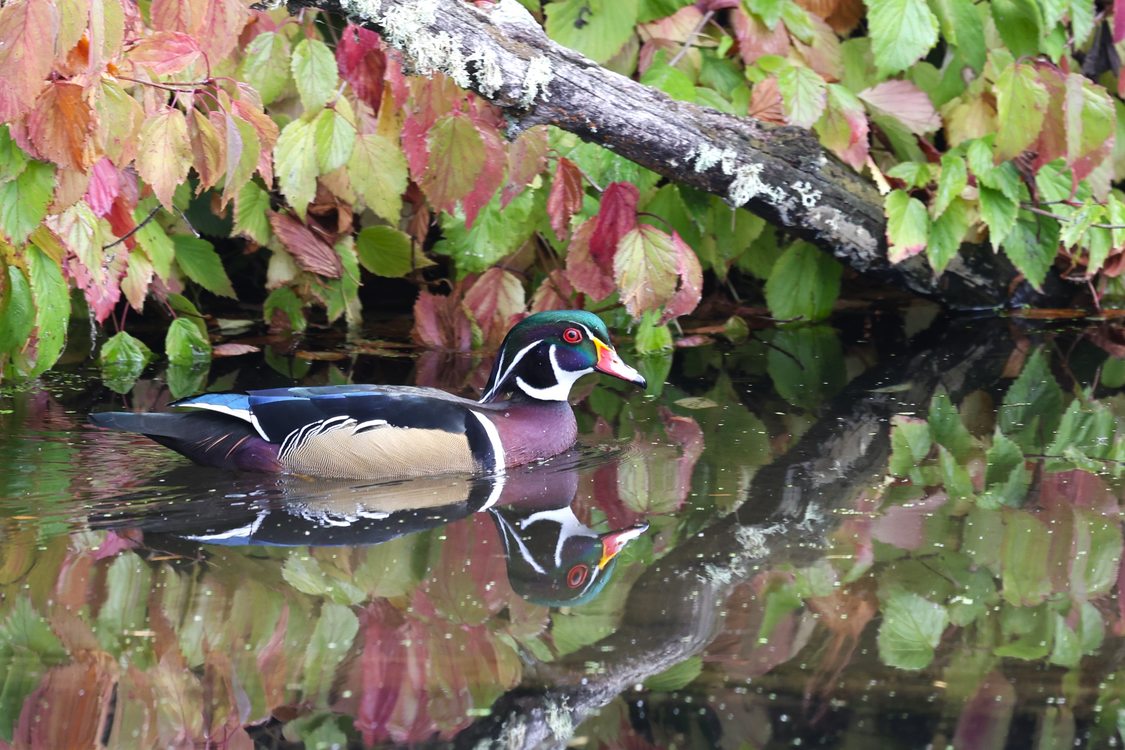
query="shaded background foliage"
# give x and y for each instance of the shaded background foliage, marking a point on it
(185, 154)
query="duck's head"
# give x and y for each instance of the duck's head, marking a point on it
(545, 353)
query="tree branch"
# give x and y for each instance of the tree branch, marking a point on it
(779, 173)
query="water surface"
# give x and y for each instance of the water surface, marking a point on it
(864, 535)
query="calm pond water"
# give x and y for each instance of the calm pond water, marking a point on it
(864, 536)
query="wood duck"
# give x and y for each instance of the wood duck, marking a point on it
(395, 432)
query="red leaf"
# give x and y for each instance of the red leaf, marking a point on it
(584, 273)
(166, 52)
(457, 156)
(61, 124)
(220, 26)
(310, 252)
(177, 15)
(496, 302)
(565, 198)
(382, 665)
(359, 55)
(906, 103)
(491, 176)
(267, 132)
(554, 293)
(27, 44)
(527, 157)
(120, 218)
(415, 146)
(103, 188)
(617, 215)
(1118, 20)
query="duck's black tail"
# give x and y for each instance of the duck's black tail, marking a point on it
(206, 438)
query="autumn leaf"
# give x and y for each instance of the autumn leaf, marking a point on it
(266, 65)
(27, 51)
(60, 125)
(616, 217)
(166, 52)
(527, 158)
(164, 155)
(491, 175)
(295, 162)
(311, 253)
(905, 102)
(362, 63)
(565, 198)
(377, 170)
(647, 269)
(844, 127)
(208, 151)
(314, 71)
(496, 301)
(583, 272)
(267, 132)
(456, 158)
(103, 188)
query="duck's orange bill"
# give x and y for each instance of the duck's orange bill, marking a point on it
(615, 541)
(611, 364)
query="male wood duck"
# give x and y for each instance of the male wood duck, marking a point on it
(394, 432)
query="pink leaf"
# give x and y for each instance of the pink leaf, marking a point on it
(756, 40)
(906, 103)
(440, 322)
(616, 216)
(587, 276)
(690, 287)
(234, 350)
(311, 253)
(554, 293)
(359, 55)
(491, 175)
(166, 52)
(765, 102)
(565, 198)
(1118, 20)
(103, 187)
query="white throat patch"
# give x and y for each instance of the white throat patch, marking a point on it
(564, 381)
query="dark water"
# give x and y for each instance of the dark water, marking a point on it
(868, 536)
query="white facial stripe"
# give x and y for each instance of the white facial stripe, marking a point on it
(569, 526)
(508, 370)
(564, 381)
(512, 538)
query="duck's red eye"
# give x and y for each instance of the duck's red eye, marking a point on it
(572, 335)
(576, 575)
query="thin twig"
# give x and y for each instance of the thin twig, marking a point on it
(691, 38)
(132, 231)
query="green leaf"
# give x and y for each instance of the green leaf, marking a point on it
(650, 336)
(908, 225)
(331, 639)
(184, 345)
(123, 359)
(1026, 580)
(953, 180)
(377, 169)
(671, 80)
(197, 258)
(386, 251)
(806, 365)
(675, 677)
(1021, 105)
(803, 283)
(12, 158)
(266, 65)
(23, 200)
(251, 213)
(1032, 246)
(187, 380)
(17, 312)
(154, 241)
(914, 174)
(1006, 478)
(314, 71)
(1020, 23)
(302, 571)
(1081, 21)
(335, 140)
(946, 427)
(182, 307)
(284, 302)
(955, 477)
(803, 94)
(52, 313)
(946, 235)
(495, 233)
(596, 28)
(962, 27)
(910, 444)
(295, 162)
(902, 31)
(998, 212)
(1032, 406)
(910, 630)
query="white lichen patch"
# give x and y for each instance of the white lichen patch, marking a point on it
(535, 81)
(490, 77)
(706, 156)
(829, 219)
(559, 720)
(748, 184)
(810, 196)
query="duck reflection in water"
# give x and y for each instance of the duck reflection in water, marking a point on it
(552, 557)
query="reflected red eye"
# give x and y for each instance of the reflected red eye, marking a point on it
(576, 576)
(572, 335)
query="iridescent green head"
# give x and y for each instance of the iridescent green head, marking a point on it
(545, 353)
